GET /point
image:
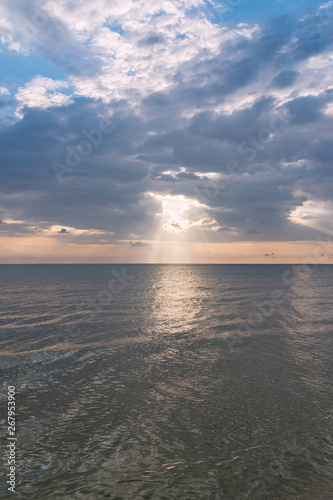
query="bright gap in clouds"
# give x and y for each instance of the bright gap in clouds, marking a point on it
(314, 214)
(177, 211)
(180, 224)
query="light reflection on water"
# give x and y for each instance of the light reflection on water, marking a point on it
(150, 401)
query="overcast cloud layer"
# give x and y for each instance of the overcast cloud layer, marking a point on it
(220, 117)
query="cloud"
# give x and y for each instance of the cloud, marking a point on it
(42, 93)
(285, 78)
(326, 5)
(63, 231)
(307, 109)
(187, 97)
(139, 244)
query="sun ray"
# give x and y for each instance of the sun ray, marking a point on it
(180, 222)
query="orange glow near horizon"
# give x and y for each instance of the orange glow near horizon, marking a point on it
(17, 250)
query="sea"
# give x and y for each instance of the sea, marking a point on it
(168, 382)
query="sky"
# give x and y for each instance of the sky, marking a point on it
(178, 131)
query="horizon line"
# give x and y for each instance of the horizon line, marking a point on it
(162, 264)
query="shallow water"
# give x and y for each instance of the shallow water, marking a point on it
(167, 382)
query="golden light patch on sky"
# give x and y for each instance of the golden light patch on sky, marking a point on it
(174, 210)
(179, 214)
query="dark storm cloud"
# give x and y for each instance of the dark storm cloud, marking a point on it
(187, 175)
(285, 79)
(251, 232)
(306, 109)
(235, 127)
(108, 190)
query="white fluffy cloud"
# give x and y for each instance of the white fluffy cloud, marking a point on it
(141, 45)
(42, 92)
(137, 47)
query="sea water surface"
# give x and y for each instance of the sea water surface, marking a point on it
(169, 381)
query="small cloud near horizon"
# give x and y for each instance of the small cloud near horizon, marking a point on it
(139, 244)
(251, 232)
